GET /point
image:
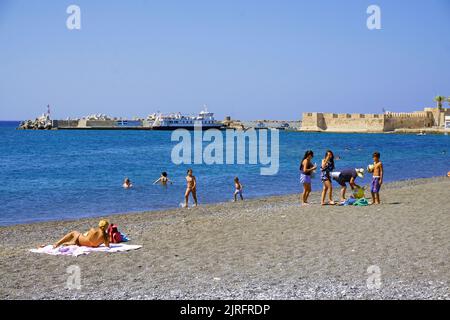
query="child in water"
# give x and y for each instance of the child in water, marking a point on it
(163, 179)
(191, 188)
(238, 186)
(127, 184)
(377, 179)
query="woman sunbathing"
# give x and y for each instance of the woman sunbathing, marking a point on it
(93, 238)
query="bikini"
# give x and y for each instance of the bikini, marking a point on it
(325, 172)
(305, 177)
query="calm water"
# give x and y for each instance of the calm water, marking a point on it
(53, 175)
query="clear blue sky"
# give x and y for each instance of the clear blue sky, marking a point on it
(245, 58)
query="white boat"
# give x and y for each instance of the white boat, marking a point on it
(173, 121)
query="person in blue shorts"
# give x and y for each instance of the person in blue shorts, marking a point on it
(377, 179)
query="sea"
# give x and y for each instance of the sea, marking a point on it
(65, 175)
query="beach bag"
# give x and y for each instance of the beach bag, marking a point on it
(359, 193)
(114, 235)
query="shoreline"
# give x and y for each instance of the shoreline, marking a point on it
(257, 198)
(268, 248)
(402, 131)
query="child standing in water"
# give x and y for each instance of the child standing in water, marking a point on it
(306, 169)
(326, 169)
(238, 186)
(377, 179)
(164, 180)
(191, 188)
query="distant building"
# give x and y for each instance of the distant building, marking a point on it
(447, 123)
(430, 118)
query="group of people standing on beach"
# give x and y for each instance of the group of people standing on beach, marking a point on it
(307, 170)
(327, 174)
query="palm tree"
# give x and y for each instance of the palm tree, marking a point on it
(439, 100)
(448, 101)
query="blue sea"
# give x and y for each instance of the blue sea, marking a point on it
(56, 175)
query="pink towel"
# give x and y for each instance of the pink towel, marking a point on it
(76, 251)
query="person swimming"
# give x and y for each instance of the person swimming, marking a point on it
(163, 179)
(92, 238)
(127, 184)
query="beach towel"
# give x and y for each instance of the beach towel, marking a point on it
(348, 202)
(361, 202)
(76, 251)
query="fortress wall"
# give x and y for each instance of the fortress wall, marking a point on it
(342, 122)
(415, 120)
(310, 122)
(354, 123)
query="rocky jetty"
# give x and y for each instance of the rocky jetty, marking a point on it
(41, 123)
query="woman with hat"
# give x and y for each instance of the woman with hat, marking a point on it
(93, 238)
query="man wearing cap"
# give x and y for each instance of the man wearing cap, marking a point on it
(347, 176)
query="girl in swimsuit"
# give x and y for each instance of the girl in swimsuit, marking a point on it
(306, 169)
(326, 168)
(93, 238)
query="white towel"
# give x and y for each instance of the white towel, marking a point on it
(76, 251)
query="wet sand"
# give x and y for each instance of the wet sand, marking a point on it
(270, 248)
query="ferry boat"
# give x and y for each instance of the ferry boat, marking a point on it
(173, 121)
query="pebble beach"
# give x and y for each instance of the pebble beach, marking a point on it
(265, 248)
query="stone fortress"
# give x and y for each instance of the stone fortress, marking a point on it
(430, 119)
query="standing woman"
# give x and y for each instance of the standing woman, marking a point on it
(326, 169)
(306, 169)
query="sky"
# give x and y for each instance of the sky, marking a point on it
(247, 59)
